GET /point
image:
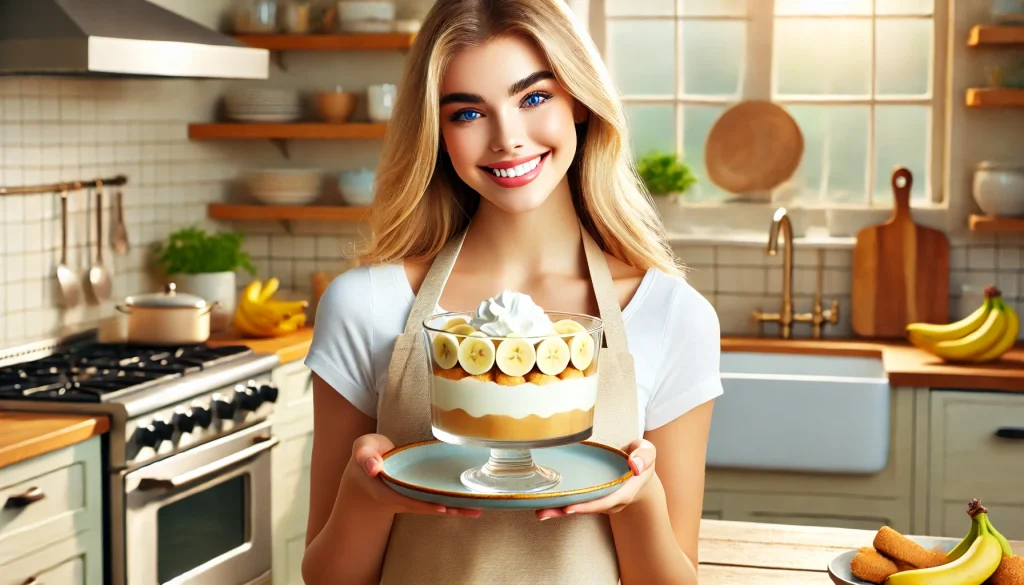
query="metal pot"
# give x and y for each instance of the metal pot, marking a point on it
(167, 318)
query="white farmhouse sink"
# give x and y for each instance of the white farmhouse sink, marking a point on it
(810, 413)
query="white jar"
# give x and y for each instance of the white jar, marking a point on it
(999, 189)
(214, 287)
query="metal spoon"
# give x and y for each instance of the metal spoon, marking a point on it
(65, 276)
(98, 274)
(120, 230)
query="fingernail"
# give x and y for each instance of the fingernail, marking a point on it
(545, 518)
(442, 510)
(570, 511)
(451, 512)
(639, 464)
(369, 465)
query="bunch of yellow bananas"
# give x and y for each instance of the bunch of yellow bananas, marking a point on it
(983, 336)
(259, 315)
(973, 561)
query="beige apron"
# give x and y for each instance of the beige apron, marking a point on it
(504, 546)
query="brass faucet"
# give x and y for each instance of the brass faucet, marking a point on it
(785, 318)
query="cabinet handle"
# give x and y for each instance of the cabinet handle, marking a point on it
(32, 495)
(1010, 432)
(33, 581)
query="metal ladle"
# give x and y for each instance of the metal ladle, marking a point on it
(65, 276)
(98, 275)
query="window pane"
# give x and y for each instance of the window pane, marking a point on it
(632, 43)
(904, 56)
(834, 165)
(713, 7)
(905, 6)
(652, 127)
(697, 122)
(901, 139)
(713, 52)
(639, 8)
(822, 56)
(812, 7)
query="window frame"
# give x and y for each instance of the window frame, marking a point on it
(757, 83)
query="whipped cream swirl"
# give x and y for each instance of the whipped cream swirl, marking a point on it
(511, 312)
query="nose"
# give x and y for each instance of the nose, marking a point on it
(507, 134)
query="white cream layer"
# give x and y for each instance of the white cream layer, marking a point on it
(480, 398)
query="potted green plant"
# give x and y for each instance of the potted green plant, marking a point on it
(664, 174)
(205, 264)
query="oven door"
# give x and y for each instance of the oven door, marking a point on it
(202, 517)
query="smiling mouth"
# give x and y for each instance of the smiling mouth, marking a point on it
(518, 170)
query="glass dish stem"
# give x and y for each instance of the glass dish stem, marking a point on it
(510, 471)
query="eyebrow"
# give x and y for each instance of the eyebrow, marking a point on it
(515, 88)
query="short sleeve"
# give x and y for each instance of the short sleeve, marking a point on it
(342, 348)
(688, 374)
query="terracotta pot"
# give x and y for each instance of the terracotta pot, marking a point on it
(335, 106)
(167, 318)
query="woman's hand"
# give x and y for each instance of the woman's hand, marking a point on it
(641, 460)
(362, 472)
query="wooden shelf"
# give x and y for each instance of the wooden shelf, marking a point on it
(995, 98)
(233, 212)
(300, 131)
(986, 224)
(995, 35)
(339, 42)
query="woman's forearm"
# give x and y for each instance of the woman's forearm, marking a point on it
(646, 546)
(350, 548)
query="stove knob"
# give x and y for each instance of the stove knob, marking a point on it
(162, 429)
(145, 436)
(185, 421)
(268, 392)
(202, 416)
(247, 398)
(225, 409)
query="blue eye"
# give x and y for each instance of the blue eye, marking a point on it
(536, 98)
(458, 116)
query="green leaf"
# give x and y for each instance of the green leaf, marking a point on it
(664, 173)
(191, 250)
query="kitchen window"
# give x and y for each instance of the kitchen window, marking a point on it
(858, 76)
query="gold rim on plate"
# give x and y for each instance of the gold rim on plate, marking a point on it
(476, 496)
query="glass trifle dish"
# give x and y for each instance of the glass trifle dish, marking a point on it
(512, 377)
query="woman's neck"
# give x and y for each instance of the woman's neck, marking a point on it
(520, 247)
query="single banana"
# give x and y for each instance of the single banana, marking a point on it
(1008, 340)
(285, 307)
(245, 325)
(259, 314)
(1004, 544)
(252, 291)
(461, 329)
(446, 350)
(925, 335)
(976, 565)
(552, 356)
(476, 354)
(975, 343)
(269, 288)
(515, 357)
(962, 546)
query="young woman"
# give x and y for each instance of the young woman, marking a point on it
(489, 84)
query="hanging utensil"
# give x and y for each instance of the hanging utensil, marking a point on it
(98, 276)
(66, 277)
(120, 229)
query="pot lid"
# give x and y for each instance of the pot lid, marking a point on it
(170, 298)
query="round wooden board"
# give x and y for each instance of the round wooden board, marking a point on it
(753, 147)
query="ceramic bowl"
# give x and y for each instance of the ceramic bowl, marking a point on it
(335, 106)
(839, 567)
(999, 189)
(352, 10)
(356, 187)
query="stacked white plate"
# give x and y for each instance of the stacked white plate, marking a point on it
(263, 105)
(284, 186)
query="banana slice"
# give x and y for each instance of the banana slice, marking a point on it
(515, 357)
(462, 329)
(446, 350)
(552, 356)
(566, 326)
(476, 354)
(581, 350)
(455, 321)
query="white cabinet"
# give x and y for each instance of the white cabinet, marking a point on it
(51, 518)
(293, 425)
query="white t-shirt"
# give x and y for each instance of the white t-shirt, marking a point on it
(672, 331)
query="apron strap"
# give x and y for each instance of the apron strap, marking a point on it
(604, 289)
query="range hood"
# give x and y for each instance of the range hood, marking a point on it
(118, 38)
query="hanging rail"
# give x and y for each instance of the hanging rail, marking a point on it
(58, 187)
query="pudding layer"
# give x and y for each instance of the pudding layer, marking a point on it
(476, 398)
(505, 428)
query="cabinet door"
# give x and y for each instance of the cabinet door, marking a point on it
(68, 562)
(968, 459)
(295, 392)
(291, 499)
(807, 510)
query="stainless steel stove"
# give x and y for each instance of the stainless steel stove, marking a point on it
(187, 456)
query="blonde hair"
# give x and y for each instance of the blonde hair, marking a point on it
(421, 202)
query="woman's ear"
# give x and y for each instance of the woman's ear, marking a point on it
(580, 113)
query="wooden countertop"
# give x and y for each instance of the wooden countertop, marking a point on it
(24, 435)
(905, 364)
(744, 553)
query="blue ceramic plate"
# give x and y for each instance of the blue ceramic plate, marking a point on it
(839, 568)
(430, 471)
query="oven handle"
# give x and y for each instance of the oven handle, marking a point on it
(149, 483)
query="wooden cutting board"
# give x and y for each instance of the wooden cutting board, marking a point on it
(900, 271)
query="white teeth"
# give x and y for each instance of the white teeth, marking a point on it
(518, 170)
